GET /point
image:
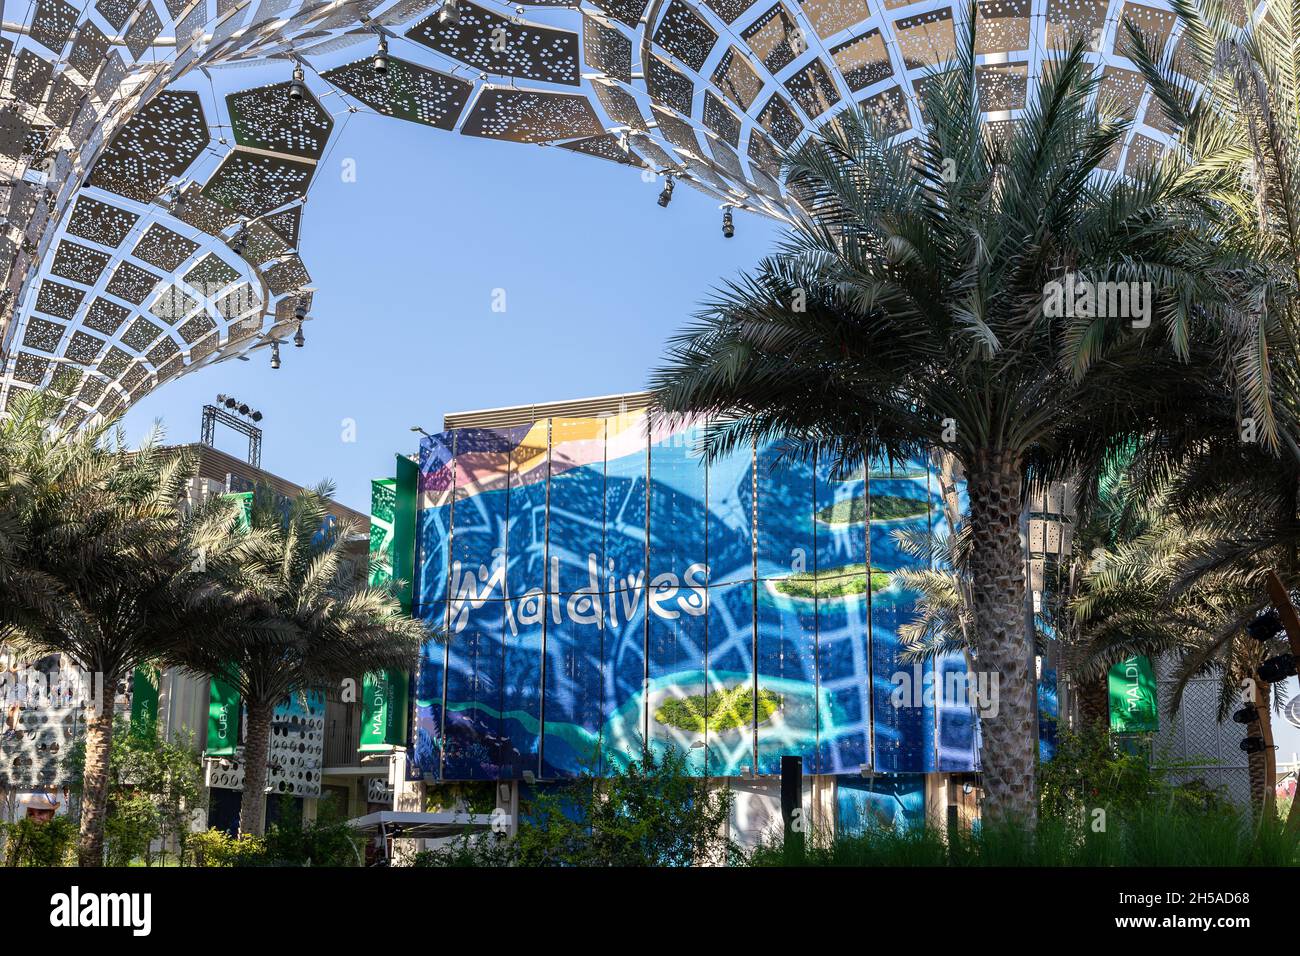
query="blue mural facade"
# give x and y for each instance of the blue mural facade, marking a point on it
(604, 592)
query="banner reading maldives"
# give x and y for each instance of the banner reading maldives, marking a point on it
(605, 592)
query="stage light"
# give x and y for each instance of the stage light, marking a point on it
(299, 340)
(728, 224)
(1253, 745)
(230, 402)
(275, 355)
(666, 196)
(297, 88)
(380, 62)
(239, 241)
(1277, 669)
(1266, 627)
(1246, 715)
(449, 13)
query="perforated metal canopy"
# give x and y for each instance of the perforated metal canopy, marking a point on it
(148, 231)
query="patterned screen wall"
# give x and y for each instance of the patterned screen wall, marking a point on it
(604, 590)
(1194, 742)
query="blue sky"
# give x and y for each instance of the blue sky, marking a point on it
(596, 277)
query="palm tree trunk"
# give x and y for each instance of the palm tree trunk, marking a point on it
(94, 784)
(1094, 703)
(1009, 726)
(1257, 764)
(252, 809)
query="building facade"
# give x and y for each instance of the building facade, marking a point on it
(604, 591)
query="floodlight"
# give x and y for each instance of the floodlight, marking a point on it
(297, 88)
(1266, 627)
(666, 196)
(1277, 668)
(1246, 715)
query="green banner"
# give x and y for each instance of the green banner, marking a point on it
(383, 506)
(392, 558)
(223, 719)
(244, 520)
(404, 517)
(383, 710)
(1133, 706)
(144, 701)
(223, 700)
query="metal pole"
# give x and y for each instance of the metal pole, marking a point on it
(792, 807)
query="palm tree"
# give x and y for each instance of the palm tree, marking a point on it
(1230, 90)
(1184, 588)
(1232, 94)
(33, 462)
(103, 530)
(909, 309)
(299, 617)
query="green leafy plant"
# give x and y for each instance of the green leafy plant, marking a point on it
(105, 562)
(298, 615)
(216, 848)
(326, 841)
(133, 824)
(31, 842)
(653, 813)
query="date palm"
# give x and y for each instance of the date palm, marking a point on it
(1185, 587)
(34, 462)
(1230, 92)
(300, 617)
(906, 310)
(108, 563)
(1232, 95)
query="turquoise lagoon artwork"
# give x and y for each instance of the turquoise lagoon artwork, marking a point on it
(605, 592)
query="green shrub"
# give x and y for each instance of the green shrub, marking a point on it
(133, 823)
(1089, 772)
(1099, 805)
(31, 842)
(326, 842)
(216, 848)
(654, 813)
